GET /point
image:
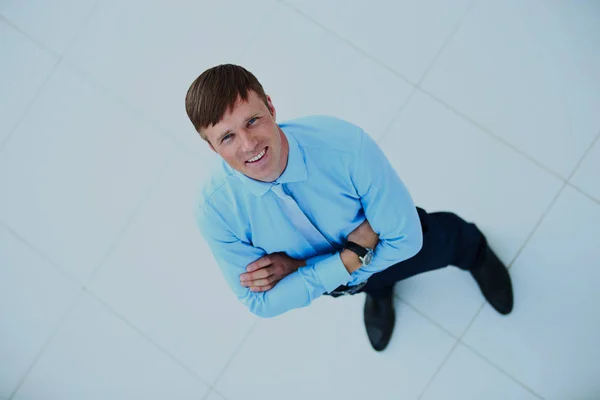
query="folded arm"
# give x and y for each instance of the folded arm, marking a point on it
(320, 274)
(388, 207)
(264, 273)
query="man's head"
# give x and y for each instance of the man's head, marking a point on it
(230, 110)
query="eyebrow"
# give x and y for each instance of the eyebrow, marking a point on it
(227, 132)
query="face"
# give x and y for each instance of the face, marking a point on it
(249, 140)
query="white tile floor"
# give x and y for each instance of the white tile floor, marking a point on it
(487, 108)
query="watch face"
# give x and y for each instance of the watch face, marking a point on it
(368, 257)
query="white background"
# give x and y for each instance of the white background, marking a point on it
(487, 108)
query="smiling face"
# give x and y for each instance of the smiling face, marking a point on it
(249, 140)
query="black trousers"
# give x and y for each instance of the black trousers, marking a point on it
(447, 240)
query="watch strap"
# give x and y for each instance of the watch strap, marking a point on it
(358, 249)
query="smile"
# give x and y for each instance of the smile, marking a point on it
(258, 157)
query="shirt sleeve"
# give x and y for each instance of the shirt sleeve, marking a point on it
(321, 274)
(388, 207)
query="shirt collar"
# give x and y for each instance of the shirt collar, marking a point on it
(295, 171)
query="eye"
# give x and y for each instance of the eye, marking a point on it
(226, 137)
(252, 121)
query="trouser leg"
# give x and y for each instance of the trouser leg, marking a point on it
(447, 240)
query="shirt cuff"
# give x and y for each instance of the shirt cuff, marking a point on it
(330, 270)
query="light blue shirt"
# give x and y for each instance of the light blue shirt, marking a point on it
(338, 176)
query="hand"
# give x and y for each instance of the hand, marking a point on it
(364, 235)
(265, 272)
(350, 261)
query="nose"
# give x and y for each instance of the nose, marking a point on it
(249, 142)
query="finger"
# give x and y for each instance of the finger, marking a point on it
(259, 274)
(259, 282)
(260, 263)
(263, 282)
(261, 288)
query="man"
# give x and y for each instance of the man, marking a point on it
(312, 206)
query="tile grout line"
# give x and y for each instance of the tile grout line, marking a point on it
(457, 340)
(503, 141)
(219, 393)
(461, 337)
(585, 153)
(491, 134)
(495, 136)
(470, 8)
(119, 235)
(28, 36)
(501, 370)
(210, 386)
(208, 393)
(59, 60)
(441, 366)
(51, 336)
(583, 157)
(235, 353)
(418, 87)
(396, 115)
(381, 63)
(537, 225)
(41, 254)
(211, 391)
(78, 32)
(438, 370)
(488, 361)
(583, 192)
(106, 90)
(83, 289)
(130, 107)
(130, 219)
(178, 146)
(349, 43)
(466, 329)
(81, 29)
(27, 109)
(37, 93)
(61, 319)
(431, 64)
(144, 335)
(425, 316)
(509, 266)
(449, 38)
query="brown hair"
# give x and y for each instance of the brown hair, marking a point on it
(215, 92)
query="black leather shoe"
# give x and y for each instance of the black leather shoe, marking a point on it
(380, 318)
(494, 282)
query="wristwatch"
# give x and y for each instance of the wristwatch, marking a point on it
(365, 254)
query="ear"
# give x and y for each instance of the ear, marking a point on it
(271, 107)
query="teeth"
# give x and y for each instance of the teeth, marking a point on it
(258, 157)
